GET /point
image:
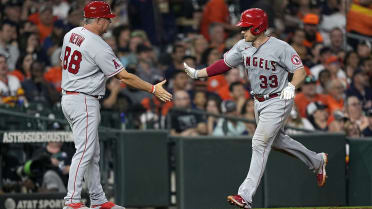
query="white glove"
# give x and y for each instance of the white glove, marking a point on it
(288, 92)
(191, 71)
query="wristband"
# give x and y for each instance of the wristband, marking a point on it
(153, 89)
(196, 74)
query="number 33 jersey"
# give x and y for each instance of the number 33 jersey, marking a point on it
(268, 66)
(87, 62)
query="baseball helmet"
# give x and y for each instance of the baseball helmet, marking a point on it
(256, 19)
(98, 9)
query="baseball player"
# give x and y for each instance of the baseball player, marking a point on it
(87, 62)
(268, 61)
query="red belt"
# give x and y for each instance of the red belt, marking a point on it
(75, 92)
(262, 98)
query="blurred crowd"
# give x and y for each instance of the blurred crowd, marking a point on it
(153, 38)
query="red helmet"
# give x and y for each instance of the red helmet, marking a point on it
(97, 9)
(256, 18)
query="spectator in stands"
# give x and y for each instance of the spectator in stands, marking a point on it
(217, 36)
(324, 54)
(113, 90)
(23, 67)
(238, 94)
(324, 78)
(247, 112)
(189, 60)
(37, 89)
(75, 15)
(116, 98)
(210, 56)
(364, 49)
(55, 40)
(180, 81)
(360, 88)
(336, 37)
(338, 124)
(335, 96)
(200, 100)
(183, 123)
(213, 106)
(231, 77)
(12, 10)
(353, 109)
(352, 129)
(367, 132)
(146, 65)
(199, 45)
(317, 115)
(295, 120)
(215, 11)
(315, 58)
(27, 26)
(178, 53)
(7, 29)
(44, 20)
(226, 127)
(30, 43)
(137, 37)
(10, 88)
(122, 37)
(308, 95)
(312, 35)
(350, 64)
(54, 76)
(298, 44)
(332, 64)
(366, 66)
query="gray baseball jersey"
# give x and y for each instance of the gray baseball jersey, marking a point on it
(268, 66)
(87, 62)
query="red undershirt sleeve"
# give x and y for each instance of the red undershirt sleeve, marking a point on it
(217, 68)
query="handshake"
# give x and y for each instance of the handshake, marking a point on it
(191, 71)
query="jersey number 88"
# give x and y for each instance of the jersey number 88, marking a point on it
(74, 65)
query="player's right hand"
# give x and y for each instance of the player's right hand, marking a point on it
(161, 93)
(190, 71)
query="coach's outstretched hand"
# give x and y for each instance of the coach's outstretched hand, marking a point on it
(161, 93)
(288, 92)
(191, 71)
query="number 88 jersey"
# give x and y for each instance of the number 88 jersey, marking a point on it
(268, 66)
(87, 62)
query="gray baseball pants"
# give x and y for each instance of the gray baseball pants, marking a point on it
(83, 114)
(270, 118)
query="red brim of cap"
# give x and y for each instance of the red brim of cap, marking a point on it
(110, 15)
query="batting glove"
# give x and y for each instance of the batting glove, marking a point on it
(288, 92)
(191, 71)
